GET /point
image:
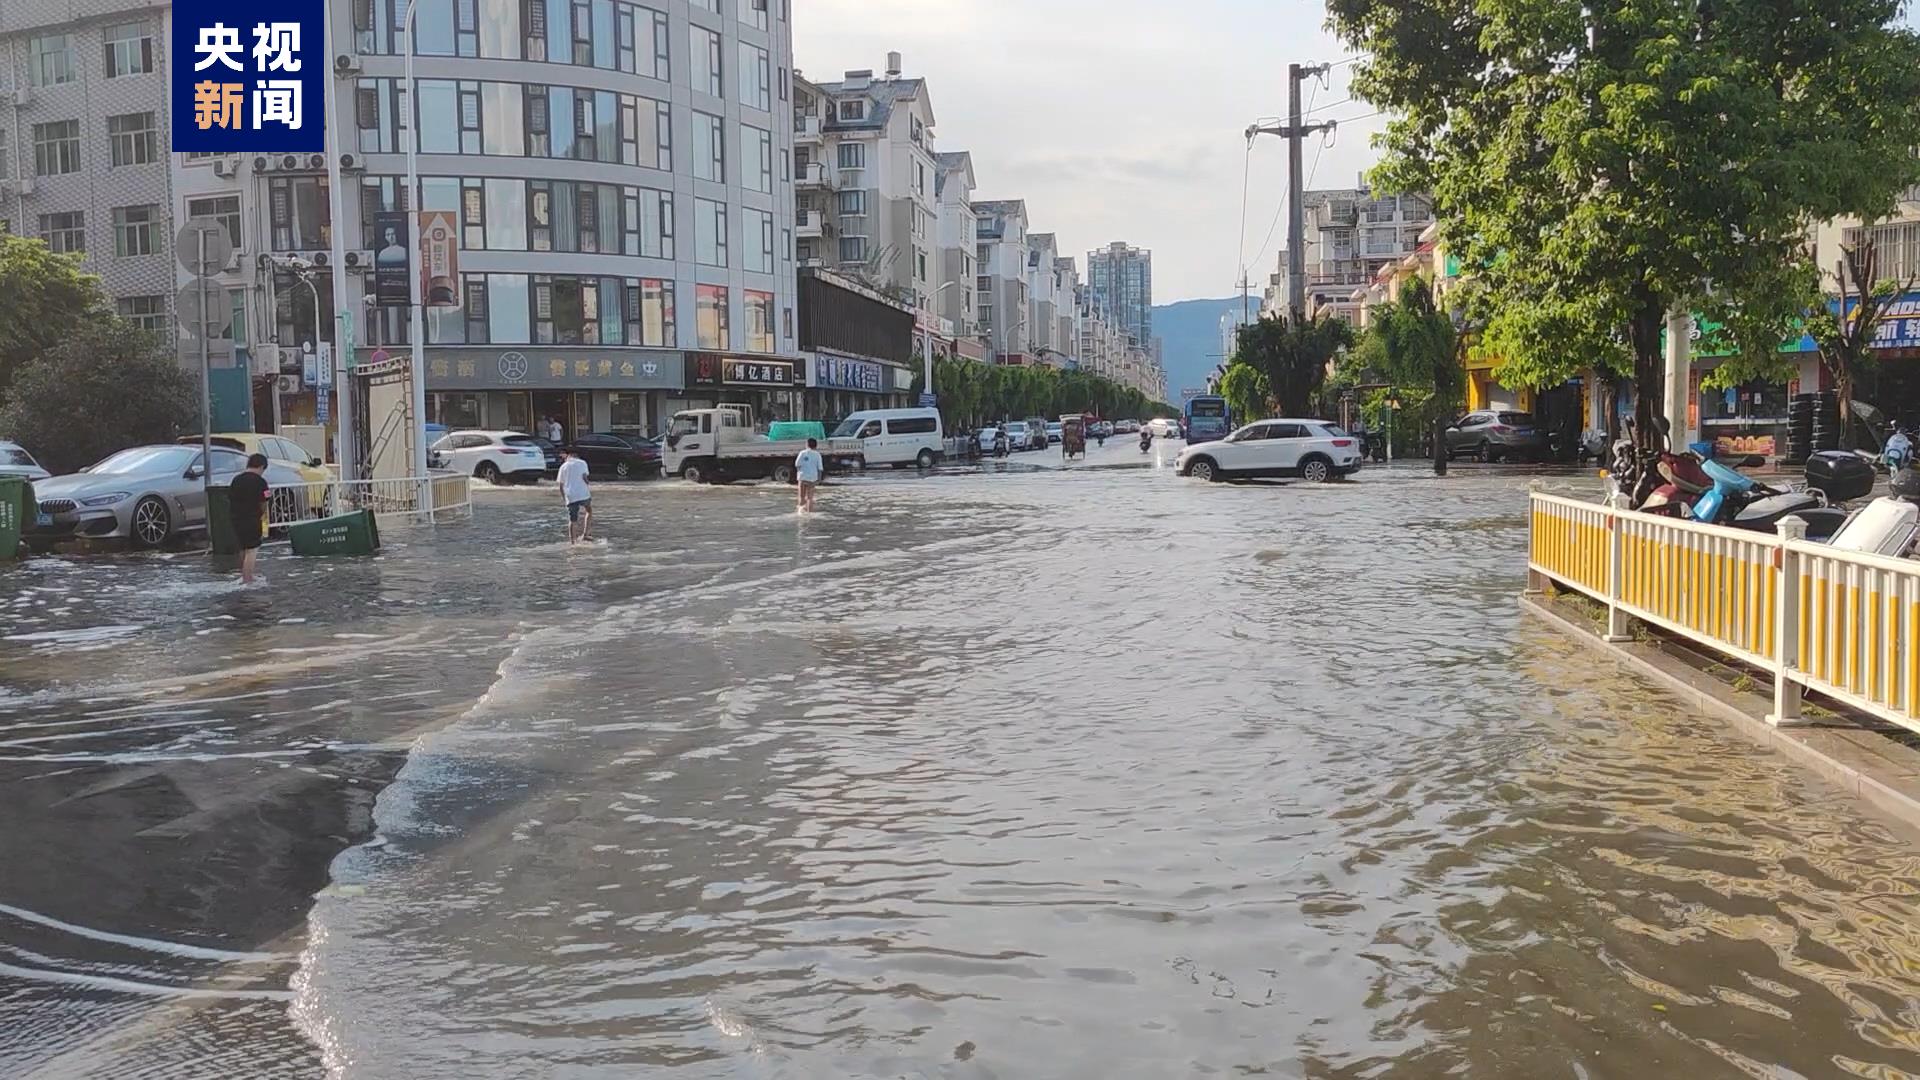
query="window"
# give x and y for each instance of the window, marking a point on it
(136, 230)
(756, 159)
(649, 312)
(754, 13)
(756, 77)
(129, 49)
(758, 238)
(709, 148)
(297, 209)
(50, 60)
(704, 49)
(757, 307)
(56, 147)
(223, 208)
(853, 249)
(709, 232)
(853, 109)
(913, 425)
(710, 317)
(920, 264)
(853, 155)
(568, 310)
(133, 139)
(65, 232)
(707, 5)
(853, 203)
(145, 312)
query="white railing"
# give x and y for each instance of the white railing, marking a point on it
(447, 494)
(1841, 623)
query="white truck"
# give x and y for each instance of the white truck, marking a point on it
(715, 445)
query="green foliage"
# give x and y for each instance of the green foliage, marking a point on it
(1245, 389)
(1414, 344)
(1293, 357)
(972, 393)
(43, 296)
(1598, 162)
(106, 385)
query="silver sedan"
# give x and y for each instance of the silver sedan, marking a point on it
(146, 495)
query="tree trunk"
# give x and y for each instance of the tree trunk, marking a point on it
(1649, 371)
(1439, 445)
(1843, 388)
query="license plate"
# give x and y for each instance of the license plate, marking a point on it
(43, 520)
(1523, 431)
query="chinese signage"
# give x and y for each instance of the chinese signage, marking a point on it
(1900, 326)
(841, 373)
(246, 76)
(536, 368)
(439, 259)
(390, 262)
(712, 369)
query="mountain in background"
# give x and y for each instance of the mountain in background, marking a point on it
(1189, 333)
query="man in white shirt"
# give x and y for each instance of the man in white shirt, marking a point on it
(573, 488)
(807, 468)
(554, 434)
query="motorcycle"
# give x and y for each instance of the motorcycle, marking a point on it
(1146, 440)
(1739, 501)
(1681, 483)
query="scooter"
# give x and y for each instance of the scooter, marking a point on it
(1739, 501)
(1685, 482)
(1146, 440)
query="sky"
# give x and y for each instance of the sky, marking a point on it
(1115, 119)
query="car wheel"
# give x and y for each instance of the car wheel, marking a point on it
(694, 473)
(487, 471)
(152, 522)
(622, 470)
(1203, 469)
(925, 460)
(1490, 453)
(285, 511)
(1316, 470)
(783, 474)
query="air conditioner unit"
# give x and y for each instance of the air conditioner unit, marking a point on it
(346, 64)
(350, 163)
(223, 167)
(23, 94)
(357, 260)
(320, 258)
(260, 164)
(290, 161)
(289, 384)
(267, 357)
(26, 185)
(317, 161)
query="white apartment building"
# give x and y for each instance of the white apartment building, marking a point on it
(1043, 327)
(1000, 252)
(1066, 310)
(957, 297)
(1351, 233)
(865, 181)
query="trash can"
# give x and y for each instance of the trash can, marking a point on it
(220, 522)
(352, 533)
(16, 502)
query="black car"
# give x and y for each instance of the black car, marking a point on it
(622, 456)
(551, 451)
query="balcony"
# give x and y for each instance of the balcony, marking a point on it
(816, 176)
(814, 225)
(806, 131)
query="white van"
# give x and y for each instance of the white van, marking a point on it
(897, 437)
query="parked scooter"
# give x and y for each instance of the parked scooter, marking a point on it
(1684, 481)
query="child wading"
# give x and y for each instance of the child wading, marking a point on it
(246, 507)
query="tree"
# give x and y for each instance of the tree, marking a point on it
(1414, 343)
(1599, 162)
(1292, 356)
(45, 297)
(1246, 391)
(106, 385)
(1845, 336)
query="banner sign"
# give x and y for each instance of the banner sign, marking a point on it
(439, 260)
(246, 76)
(839, 373)
(391, 286)
(1900, 324)
(756, 372)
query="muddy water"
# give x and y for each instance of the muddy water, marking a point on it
(1095, 773)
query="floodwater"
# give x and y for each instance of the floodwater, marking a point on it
(1002, 773)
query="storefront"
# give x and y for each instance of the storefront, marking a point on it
(527, 388)
(774, 388)
(1750, 418)
(839, 384)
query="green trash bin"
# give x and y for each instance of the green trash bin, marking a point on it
(16, 502)
(220, 522)
(352, 533)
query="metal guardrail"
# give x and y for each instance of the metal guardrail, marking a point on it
(447, 494)
(1841, 623)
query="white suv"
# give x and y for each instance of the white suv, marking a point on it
(494, 456)
(1313, 450)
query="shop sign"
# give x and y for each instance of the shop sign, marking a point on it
(902, 378)
(841, 373)
(1900, 326)
(481, 368)
(713, 369)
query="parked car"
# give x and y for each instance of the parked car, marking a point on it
(550, 451)
(1036, 433)
(497, 457)
(291, 500)
(1126, 427)
(1018, 435)
(993, 440)
(1053, 432)
(896, 437)
(146, 495)
(1100, 429)
(15, 461)
(622, 456)
(1164, 427)
(1310, 449)
(1491, 435)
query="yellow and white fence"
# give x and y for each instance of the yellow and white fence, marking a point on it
(446, 493)
(1842, 623)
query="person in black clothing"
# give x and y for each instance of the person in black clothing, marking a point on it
(246, 496)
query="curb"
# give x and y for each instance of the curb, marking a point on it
(1859, 761)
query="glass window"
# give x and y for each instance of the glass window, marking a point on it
(703, 48)
(56, 147)
(709, 148)
(853, 249)
(224, 209)
(65, 232)
(757, 307)
(136, 230)
(432, 26)
(500, 29)
(133, 139)
(297, 208)
(706, 5)
(654, 224)
(506, 209)
(758, 238)
(710, 317)
(756, 158)
(853, 203)
(756, 77)
(754, 13)
(649, 304)
(854, 109)
(50, 60)
(129, 49)
(710, 232)
(506, 308)
(503, 123)
(439, 117)
(146, 312)
(853, 155)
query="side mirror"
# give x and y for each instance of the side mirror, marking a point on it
(193, 474)
(316, 463)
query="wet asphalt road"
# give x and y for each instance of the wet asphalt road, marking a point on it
(1008, 771)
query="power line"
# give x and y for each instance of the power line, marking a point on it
(1330, 105)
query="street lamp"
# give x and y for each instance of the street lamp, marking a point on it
(303, 270)
(416, 332)
(926, 338)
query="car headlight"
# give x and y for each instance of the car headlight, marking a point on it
(107, 499)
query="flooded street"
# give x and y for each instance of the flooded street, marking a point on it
(1000, 772)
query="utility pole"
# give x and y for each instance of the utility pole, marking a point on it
(1294, 131)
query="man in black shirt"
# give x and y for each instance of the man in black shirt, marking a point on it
(246, 496)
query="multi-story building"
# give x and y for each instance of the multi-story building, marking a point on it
(865, 161)
(84, 92)
(957, 299)
(1121, 277)
(1001, 256)
(1350, 235)
(1043, 338)
(1066, 310)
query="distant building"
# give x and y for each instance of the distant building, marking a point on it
(1351, 234)
(1121, 278)
(957, 294)
(1001, 254)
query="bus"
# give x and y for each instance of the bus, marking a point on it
(1207, 418)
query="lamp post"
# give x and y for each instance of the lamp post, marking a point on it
(416, 331)
(926, 338)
